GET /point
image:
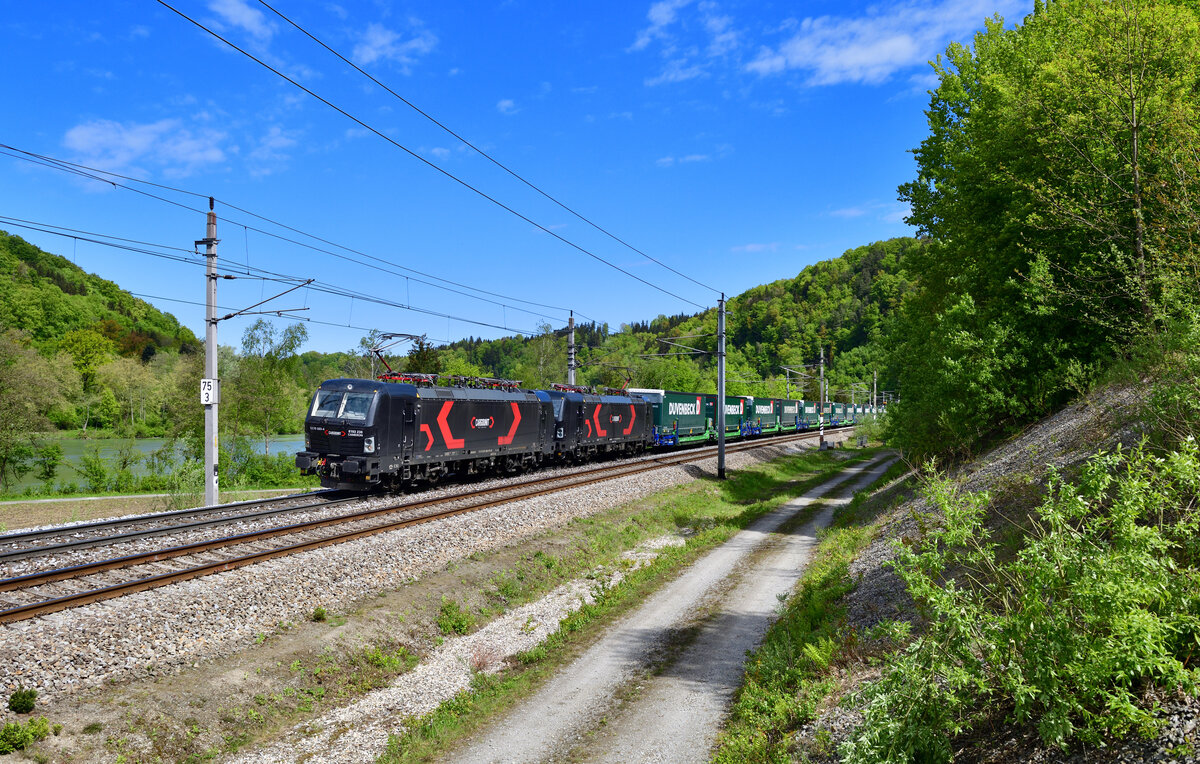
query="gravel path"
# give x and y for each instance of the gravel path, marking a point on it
(164, 630)
(677, 718)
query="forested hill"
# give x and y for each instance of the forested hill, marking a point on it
(839, 305)
(48, 297)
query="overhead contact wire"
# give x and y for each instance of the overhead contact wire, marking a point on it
(481, 152)
(425, 161)
(78, 169)
(331, 289)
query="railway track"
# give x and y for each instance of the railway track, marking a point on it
(44, 592)
(23, 545)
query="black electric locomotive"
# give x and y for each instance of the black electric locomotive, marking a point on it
(587, 425)
(360, 433)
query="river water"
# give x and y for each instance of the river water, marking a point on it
(75, 448)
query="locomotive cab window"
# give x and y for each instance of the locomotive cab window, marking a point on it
(338, 405)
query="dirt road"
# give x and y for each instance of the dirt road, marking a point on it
(656, 688)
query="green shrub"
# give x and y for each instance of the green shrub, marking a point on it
(94, 469)
(16, 736)
(1173, 406)
(21, 701)
(1100, 601)
(319, 614)
(452, 619)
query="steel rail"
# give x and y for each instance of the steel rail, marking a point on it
(45, 607)
(67, 546)
(19, 536)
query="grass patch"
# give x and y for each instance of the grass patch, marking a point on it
(706, 512)
(312, 686)
(452, 619)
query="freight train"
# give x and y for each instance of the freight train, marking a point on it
(400, 430)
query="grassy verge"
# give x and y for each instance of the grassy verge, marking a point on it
(203, 734)
(709, 513)
(793, 671)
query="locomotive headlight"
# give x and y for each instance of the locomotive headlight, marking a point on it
(307, 441)
(369, 445)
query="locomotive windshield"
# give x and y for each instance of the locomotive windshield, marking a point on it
(338, 405)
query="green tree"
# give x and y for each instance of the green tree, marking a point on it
(28, 388)
(1058, 182)
(48, 459)
(423, 358)
(90, 350)
(264, 392)
(131, 383)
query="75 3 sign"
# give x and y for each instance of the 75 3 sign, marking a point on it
(210, 392)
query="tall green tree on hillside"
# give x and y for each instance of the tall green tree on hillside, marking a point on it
(90, 350)
(1056, 181)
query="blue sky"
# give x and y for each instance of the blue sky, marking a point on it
(735, 142)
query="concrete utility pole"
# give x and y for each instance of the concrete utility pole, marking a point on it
(821, 392)
(721, 387)
(874, 389)
(210, 388)
(571, 349)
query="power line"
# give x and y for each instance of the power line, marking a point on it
(481, 152)
(297, 318)
(425, 161)
(318, 286)
(79, 169)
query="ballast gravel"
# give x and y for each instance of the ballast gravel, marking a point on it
(160, 631)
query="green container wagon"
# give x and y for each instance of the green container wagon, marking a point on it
(810, 418)
(791, 415)
(680, 417)
(768, 415)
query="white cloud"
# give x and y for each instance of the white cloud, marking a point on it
(669, 161)
(676, 71)
(237, 13)
(896, 213)
(848, 212)
(176, 150)
(723, 39)
(871, 48)
(684, 56)
(755, 248)
(273, 146)
(661, 15)
(439, 152)
(382, 44)
(884, 212)
(507, 106)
